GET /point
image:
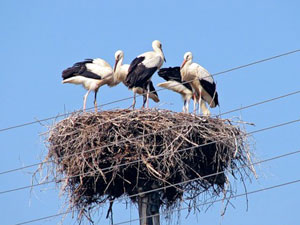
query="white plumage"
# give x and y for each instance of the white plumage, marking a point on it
(185, 93)
(204, 87)
(91, 74)
(121, 72)
(174, 83)
(142, 68)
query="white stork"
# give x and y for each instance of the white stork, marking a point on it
(174, 83)
(120, 69)
(121, 72)
(91, 74)
(202, 82)
(141, 70)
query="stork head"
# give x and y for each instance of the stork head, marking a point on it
(188, 57)
(157, 45)
(118, 56)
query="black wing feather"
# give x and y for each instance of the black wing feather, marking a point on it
(152, 88)
(82, 63)
(210, 88)
(69, 72)
(138, 74)
(135, 63)
(79, 69)
(173, 73)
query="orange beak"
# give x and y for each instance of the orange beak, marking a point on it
(183, 63)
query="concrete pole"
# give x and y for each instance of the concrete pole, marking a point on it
(148, 206)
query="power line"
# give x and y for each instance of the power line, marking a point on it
(257, 62)
(39, 163)
(262, 161)
(234, 110)
(128, 98)
(146, 135)
(218, 200)
(260, 103)
(47, 182)
(223, 113)
(214, 174)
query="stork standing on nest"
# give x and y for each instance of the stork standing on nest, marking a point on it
(91, 74)
(141, 70)
(174, 83)
(121, 72)
(204, 87)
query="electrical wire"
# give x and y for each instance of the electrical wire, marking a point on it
(234, 110)
(262, 161)
(47, 182)
(218, 200)
(128, 98)
(221, 114)
(259, 103)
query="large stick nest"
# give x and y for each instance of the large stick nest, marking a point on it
(105, 155)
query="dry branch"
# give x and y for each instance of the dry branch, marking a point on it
(83, 146)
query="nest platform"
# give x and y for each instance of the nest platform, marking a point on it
(103, 156)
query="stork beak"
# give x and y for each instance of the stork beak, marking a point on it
(183, 63)
(163, 55)
(115, 66)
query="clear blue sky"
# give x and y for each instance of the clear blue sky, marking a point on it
(38, 39)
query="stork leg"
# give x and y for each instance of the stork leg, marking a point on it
(200, 102)
(148, 92)
(184, 106)
(134, 101)
(147, 97)
(144, 100)
(204, 108)
(95, 101)
(195, 102)
(187, 106)
(84, 99)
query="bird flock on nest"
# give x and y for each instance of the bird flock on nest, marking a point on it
(190, 80)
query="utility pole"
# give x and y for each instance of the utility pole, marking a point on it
(148, 205)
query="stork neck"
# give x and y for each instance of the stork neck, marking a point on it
(158, 50)
(160, 53)
(121, 71)
(189, 62)
(119, 64)
(186, 65)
